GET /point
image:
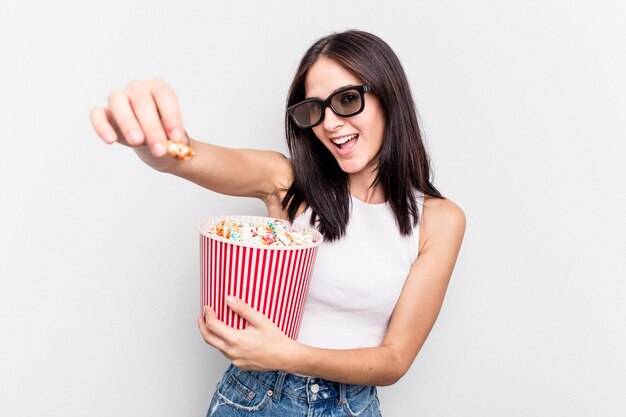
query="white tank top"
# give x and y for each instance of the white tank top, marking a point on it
(357, 280)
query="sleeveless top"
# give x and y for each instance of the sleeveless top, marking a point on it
(357, 279)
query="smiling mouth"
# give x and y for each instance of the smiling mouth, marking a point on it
(343, 140)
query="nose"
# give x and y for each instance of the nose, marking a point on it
(331, 121)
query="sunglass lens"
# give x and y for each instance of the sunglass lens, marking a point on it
(307, 114)
(347, 103)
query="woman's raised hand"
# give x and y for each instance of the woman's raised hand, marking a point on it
(144, 116)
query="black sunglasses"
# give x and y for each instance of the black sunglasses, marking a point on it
(345, 102)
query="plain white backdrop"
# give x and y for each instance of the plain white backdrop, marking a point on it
(523, 106)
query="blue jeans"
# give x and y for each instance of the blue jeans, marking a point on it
(260, 394)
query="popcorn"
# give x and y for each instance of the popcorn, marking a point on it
(180, 151)
(271, 233)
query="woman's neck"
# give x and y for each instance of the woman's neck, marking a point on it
(361, 188)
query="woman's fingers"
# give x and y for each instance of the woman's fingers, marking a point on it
(252, 316)
(168, 108)
(155, 100)
(147, 114)
(209, 337)
(124, 117)
(113, 125)
(101, 123)
(215, 332)
(144, 113)
(217, 327)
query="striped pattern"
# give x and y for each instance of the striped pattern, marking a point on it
(274, 281)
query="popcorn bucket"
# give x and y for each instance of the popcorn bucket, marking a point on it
(272, 279)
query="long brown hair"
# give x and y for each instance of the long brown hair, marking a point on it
(403, 164)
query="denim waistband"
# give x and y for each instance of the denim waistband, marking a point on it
(309, 389)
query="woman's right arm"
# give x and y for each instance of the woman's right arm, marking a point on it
(146, 114)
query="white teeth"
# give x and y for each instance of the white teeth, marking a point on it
(344, 139)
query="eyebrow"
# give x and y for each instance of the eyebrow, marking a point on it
(334, 91)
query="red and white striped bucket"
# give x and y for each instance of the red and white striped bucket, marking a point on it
(272, 279)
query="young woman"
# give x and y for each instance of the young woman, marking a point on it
(360, 174)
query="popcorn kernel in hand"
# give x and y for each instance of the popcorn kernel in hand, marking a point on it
(180, 151)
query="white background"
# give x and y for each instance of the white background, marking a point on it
(523, 105)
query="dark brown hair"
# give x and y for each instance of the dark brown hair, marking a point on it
(403, 164)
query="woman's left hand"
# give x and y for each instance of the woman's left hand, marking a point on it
(261, 346)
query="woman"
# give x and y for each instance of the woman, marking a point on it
(360, 174)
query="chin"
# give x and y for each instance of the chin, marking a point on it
(351, 167)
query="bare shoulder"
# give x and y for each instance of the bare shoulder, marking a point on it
(442, 221)
(442, 210)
